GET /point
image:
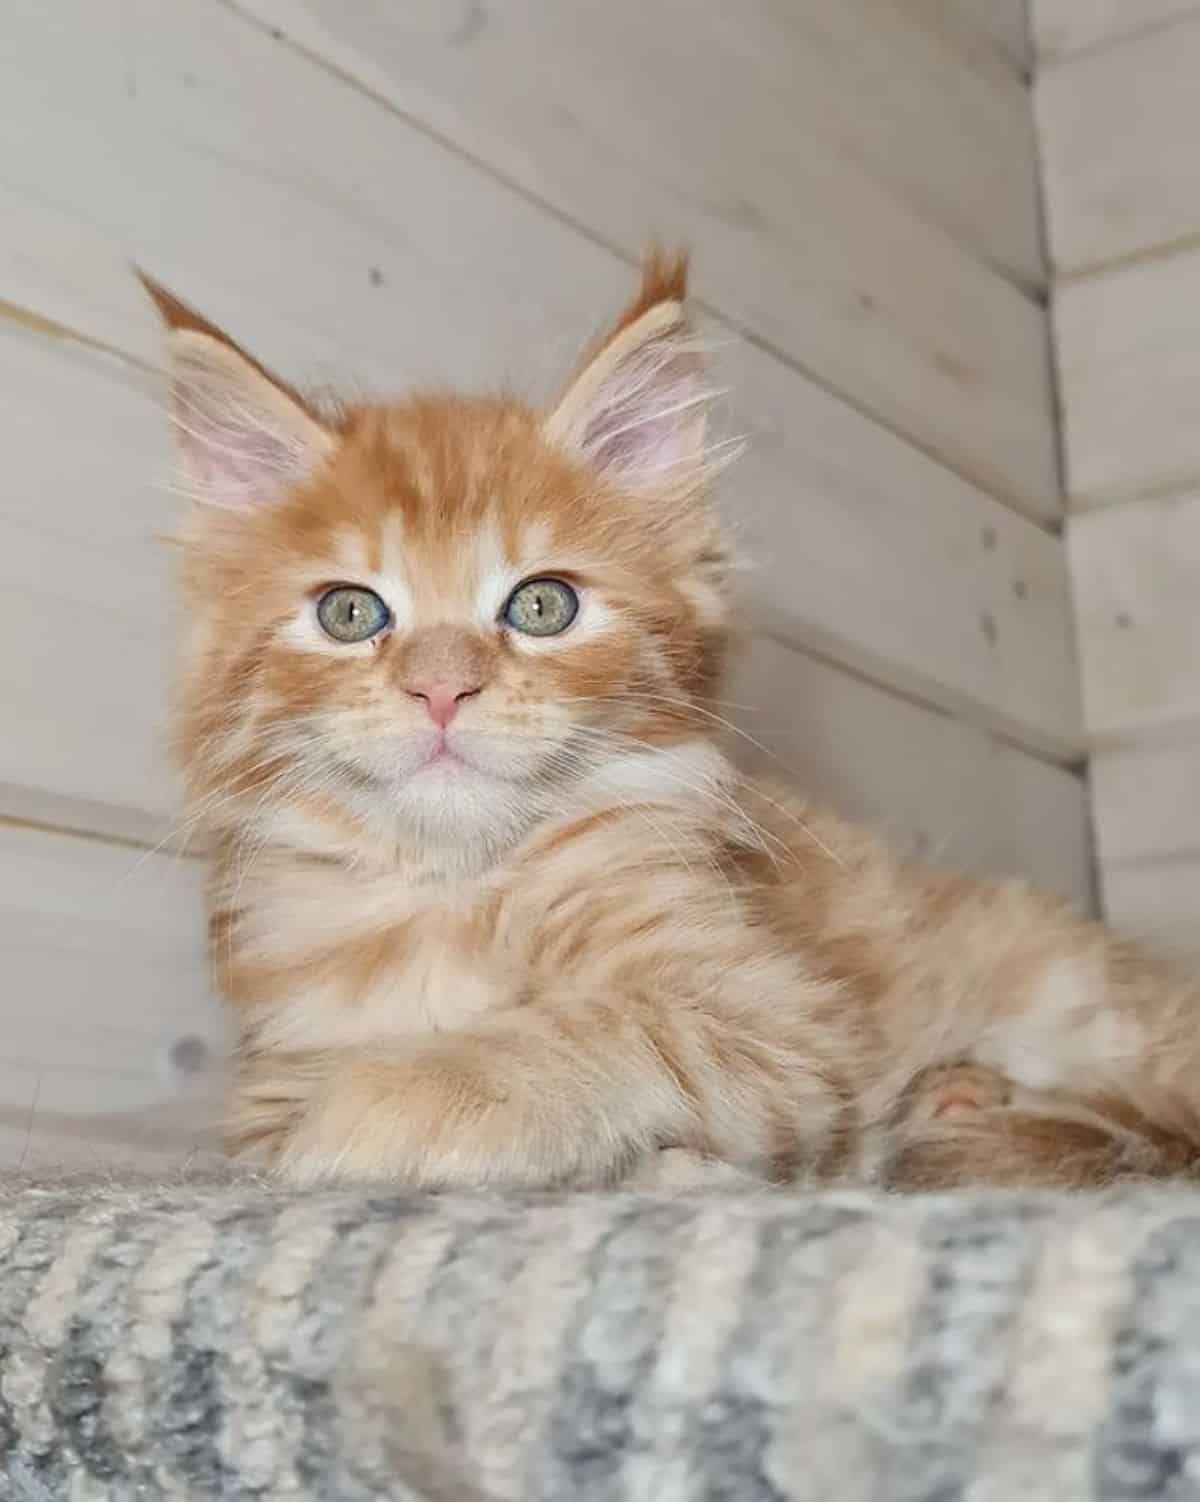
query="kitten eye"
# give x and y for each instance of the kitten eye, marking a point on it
(541, 607)
(350, 614)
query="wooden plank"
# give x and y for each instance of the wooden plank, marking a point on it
(1156, 903)
(1118, 192)
(888, 88)
(1063, 27)
(1146, 801)
(84, 582)
(939, 790)
(1147, 820)
(885, 88)
(1136, 571)
(110, 1027)
(45, 1142)
(1129, 361)
(862, 550)
(132, 135)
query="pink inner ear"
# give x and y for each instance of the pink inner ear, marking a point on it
(646, 424)
(230, 465)
(240, 442)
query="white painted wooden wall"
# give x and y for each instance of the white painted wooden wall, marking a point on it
(1118, 102)
(458, 190)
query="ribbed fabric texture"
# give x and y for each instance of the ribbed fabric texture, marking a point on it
(220, 1340)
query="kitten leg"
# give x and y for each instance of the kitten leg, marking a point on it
(1010, 1149)
(676, 1170)
(547, 1095)
(966, 1125)
(956, 1090)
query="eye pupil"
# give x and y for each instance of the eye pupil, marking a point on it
(541, 607)
(349, 613)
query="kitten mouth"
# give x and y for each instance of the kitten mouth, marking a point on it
(443, 754)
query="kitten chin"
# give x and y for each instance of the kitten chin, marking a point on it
(489, 903)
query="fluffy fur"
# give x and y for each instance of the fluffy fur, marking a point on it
(561, 940)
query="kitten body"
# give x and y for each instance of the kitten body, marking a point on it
(489, 901)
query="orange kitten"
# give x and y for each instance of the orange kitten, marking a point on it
(489, 902)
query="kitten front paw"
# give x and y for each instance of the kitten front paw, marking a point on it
(678, 1170)
(432, 1121)
(455, 1114)
(358, 1127)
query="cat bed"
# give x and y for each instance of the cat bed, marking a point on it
(231, 1339)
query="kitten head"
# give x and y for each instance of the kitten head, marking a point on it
(438, 620)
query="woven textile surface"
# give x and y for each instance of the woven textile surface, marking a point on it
(230, 1339)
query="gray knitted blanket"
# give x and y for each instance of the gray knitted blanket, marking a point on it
(233, 1340)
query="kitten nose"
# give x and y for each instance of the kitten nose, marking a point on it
(442, 700)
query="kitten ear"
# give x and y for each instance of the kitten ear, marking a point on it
(636, 411)
(243, 436)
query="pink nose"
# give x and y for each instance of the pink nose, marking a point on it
(442, 700)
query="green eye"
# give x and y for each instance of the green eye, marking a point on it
(351, 614)
(541, 607)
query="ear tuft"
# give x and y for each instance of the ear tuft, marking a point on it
(244, 437)
(636, 411)
(664, 279)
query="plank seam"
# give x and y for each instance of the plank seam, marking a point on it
(1089, 503)
(1150, 860)
(30, 321)
(972, 715)
(1047, 60)
(76, 831)
(1145, 255)
(1169, 731)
